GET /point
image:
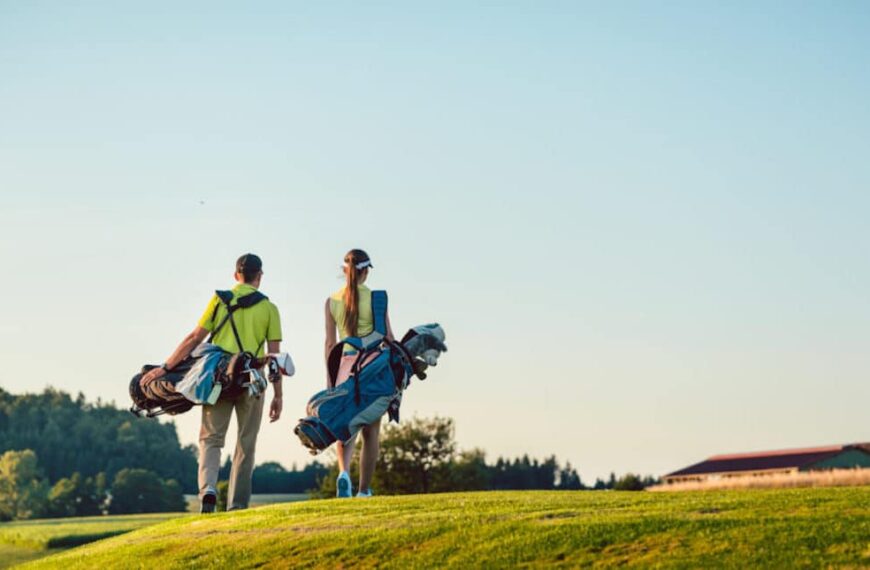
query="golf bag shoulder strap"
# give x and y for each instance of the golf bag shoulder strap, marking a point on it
(250, 299)
(243, 302)
(379, 311)
(379, 316)
(333, 361)
(225, 297)
(361, 344)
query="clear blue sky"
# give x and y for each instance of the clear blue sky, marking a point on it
(643, 225)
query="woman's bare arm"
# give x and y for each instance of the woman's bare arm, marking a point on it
(331, 335)
(389, 329)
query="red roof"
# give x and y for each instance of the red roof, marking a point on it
(759, 461)
(826, 449)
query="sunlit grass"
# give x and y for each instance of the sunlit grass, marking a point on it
(781, 528)
(21, 541)
(58, 533)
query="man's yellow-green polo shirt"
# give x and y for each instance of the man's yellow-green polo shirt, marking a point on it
(255, 324)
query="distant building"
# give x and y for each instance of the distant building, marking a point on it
(775, 462)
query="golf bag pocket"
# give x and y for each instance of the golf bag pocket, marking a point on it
(337, 414)
(199, 383)
(159, 396)
(345, 367)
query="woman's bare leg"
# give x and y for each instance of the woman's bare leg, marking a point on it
(371, 435)
(345, 454)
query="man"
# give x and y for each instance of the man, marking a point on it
(255, 325)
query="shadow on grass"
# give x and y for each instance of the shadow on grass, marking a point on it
(80, 539)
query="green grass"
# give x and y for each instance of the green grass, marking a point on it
(10, 554)
(271, 499)
(21, 541)
(776, 529)
(60, 533)
(257, 500)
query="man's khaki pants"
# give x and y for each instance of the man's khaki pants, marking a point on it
(215, 422)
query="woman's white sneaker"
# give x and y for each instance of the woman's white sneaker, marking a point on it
(364, 494)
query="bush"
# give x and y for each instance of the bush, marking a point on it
(629, 482)
(142, 491)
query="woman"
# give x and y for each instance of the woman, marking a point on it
(349, 310)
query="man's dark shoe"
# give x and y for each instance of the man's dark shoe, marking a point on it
(209, 501)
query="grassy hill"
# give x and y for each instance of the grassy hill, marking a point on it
(769, 528)
(27, 540)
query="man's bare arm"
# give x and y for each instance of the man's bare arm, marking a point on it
(274, 347)
(191, 341)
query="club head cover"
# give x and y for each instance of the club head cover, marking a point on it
(285, 363)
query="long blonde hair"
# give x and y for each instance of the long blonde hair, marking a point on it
(352, 261)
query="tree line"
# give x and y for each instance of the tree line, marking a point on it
(420, 455)
(64, 456)
(273, 478)
(70, 435)
(25, 493)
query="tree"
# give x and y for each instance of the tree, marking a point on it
(629, 482)
(142, 491)
(173, 500)
(650, 481)
(23, 491)
(569, 479)
(469, 472)
(544, 473)
(415, 456)
(271, 477)
(63, 497)
(226, 468)
(77, 496)
(524, 473)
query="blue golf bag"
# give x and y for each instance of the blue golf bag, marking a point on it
(380, 373)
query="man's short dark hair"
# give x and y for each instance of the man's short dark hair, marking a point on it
(249, 265)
